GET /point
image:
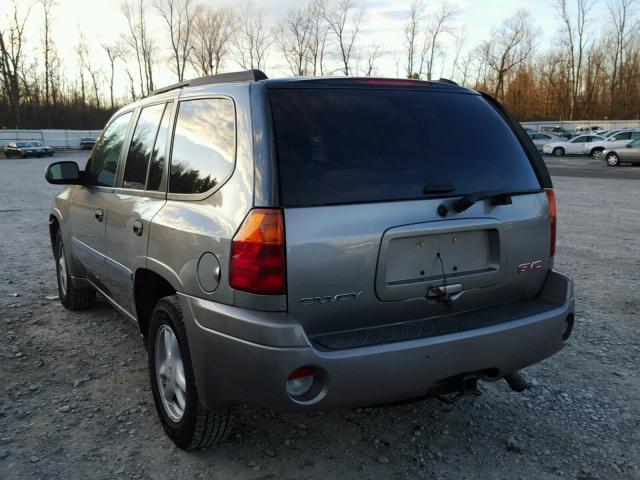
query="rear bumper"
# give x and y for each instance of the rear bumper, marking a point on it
(240, 356)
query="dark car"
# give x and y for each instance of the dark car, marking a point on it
(20, 150)
(87, 143)
(41, 149)
(556, 130)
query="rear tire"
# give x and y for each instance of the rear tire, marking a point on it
(596, 153)
(558, 152)
(184, 419)
(613, 160)
(72, 298)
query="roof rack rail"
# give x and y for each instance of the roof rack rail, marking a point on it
(246, 76)
(450, 82)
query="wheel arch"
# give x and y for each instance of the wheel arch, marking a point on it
(149, 286)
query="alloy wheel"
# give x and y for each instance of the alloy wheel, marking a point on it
(170, 374)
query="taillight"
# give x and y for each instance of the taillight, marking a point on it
(551, 196)
(257, 254)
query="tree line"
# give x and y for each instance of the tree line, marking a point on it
(589, 70)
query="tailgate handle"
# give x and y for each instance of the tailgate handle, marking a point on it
(451, 289)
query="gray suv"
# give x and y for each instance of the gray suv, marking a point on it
(314, 243)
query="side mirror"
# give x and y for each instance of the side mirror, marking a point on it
(630, 145)
(63, 173)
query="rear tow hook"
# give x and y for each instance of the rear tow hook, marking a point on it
(517, 382)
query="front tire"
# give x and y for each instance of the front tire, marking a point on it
(613, 160)
(72, 298)
(558, 152)
(184, 419)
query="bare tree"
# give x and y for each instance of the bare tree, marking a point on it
(178, 16)
(47, 46)
(252, 38)
(343, 18)
(294, 39)
(412, 29)
(461, 39)
(114, 52)
(318, 37)
(84, 57)
(440, 22)
(620, 13)
(373, 55)
(572, 38)
(212, 30)
(139, 39)
(509, 47)
(12, 41)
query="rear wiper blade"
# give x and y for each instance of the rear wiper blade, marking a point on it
(497, 197)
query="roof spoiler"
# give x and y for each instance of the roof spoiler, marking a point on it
(245, 76)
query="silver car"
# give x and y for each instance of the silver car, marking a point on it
(616, 139)
(541, 139)
(304, 244)
(630, 153)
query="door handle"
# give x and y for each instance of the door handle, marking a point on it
(99, 214)
(137, 228)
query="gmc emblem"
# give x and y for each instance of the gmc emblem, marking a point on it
(530, 266)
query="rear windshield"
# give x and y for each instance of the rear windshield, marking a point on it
(357, 145)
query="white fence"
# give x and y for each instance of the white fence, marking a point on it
(53, 138)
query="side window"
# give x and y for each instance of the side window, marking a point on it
(157, 156)
(635, 134)
(103, 164)
(135, 170)
(203, 145)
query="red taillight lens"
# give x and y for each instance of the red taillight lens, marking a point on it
(257, 254)
(553, 215)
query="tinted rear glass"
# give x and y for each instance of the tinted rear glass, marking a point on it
(358, 145)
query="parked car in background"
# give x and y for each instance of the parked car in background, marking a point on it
(42, 150)
(541, 139)
(629, 153)
(529, 130)
(582, 129)
(20, 150)
(575, 146)
(556, 130)
(87, 143)
(349, 266)
(616, 140)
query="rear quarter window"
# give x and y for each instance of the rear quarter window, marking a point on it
(358, 145)
(203, 145)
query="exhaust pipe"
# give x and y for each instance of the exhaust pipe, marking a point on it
(517, 382)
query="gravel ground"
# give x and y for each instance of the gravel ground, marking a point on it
(75, 401)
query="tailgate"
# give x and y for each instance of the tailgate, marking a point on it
(357, 266)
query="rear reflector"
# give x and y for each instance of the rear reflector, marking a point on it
(300, 382)
(257, 254)
(553, 216)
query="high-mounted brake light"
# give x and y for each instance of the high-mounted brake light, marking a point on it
(257, 254)
(390, 81)
(553, 215)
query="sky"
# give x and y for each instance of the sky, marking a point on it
(101, 21)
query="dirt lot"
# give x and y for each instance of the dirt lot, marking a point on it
(75, 401)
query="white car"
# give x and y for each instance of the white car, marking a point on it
(616, 140)
(575, 146)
